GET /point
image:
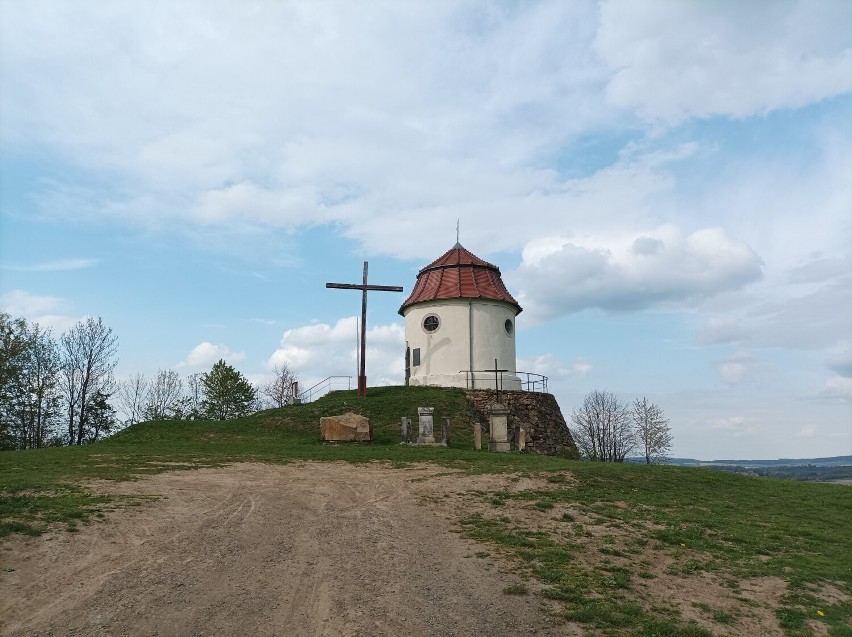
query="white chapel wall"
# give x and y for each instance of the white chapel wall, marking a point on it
(445, 353)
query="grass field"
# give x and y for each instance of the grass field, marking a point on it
(600, 543)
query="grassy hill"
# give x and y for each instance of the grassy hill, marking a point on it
(592, 538)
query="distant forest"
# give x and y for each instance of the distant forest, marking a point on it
(809, 469)
(814, 473)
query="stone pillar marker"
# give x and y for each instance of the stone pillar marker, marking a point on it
(522, 439)
(424, 416)
(406, 430)
(499, 418)
(445, 431)
(477, 437)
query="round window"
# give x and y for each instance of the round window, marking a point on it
(509, 326)
(431, 323)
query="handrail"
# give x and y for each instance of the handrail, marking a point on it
(535, 383)
(321, 388)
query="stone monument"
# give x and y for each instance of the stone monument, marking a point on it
(425, 421)
(499, 419)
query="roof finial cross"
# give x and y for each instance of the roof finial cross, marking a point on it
(458, 245)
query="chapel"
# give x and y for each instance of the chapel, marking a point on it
(459, 319)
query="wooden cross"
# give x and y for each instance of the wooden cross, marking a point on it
(362, 373)
(496, 386)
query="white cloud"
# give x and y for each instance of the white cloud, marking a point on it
(204, 355)
(838, 387)
(673, 61)
(41, 309)
(841, 363)
(551, 366)
(816, 319)
(734, 368)
(808, 431)
(317, 351)
(728, 422)
(659, 267)
(731, 372)
(22, 303)
(736, 426)
(52, 266)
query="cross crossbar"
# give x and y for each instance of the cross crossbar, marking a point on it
(355, 286)
(362, 375)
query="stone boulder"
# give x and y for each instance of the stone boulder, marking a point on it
(347, 427)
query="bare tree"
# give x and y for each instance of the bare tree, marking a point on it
(194, 394)
(164, 396)
(652, 430)
(88, 358)
(131, 398)
(602, 428)
(278, 391)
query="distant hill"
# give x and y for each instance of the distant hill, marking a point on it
(834, 469)
(834, 461)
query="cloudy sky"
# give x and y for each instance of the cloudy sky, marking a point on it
(666, 187)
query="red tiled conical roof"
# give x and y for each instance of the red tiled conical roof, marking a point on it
(459, 274)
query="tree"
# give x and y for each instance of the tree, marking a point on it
(13, 352)
(164, 396)
(13, 345)
(652, 430)
(191, 403)
(29, 398)
(602, 428)
(131, 398)
(227, 393)
(38, 404)
(278, 391)
(88, 358)
(101, 417)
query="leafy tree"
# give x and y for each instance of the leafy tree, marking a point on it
(226, 393)
(652, 430)
(602, 428)
(278, 391)
(13, 352)
(88, 358)
(38, 401)
(29, 398)
(101, 417)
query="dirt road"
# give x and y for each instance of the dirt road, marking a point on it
(252, 549)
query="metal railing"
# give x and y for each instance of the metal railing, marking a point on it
(534, 382)
(323, 387)
(484, 378)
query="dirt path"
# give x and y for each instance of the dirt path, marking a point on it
(252, 549)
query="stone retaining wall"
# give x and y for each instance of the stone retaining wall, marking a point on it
(539, 414)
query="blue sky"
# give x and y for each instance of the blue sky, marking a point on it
(667, 188)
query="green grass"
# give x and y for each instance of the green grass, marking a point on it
(699, 521)
(39, 487)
